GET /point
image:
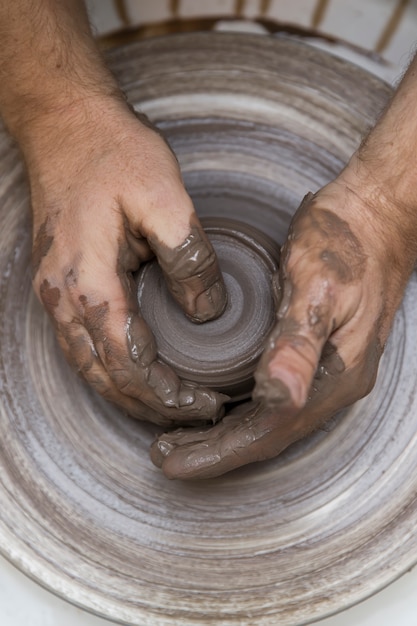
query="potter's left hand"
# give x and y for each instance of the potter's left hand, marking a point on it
(107, 200)
(342, 277)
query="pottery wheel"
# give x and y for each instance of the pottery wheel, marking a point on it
(256, 122)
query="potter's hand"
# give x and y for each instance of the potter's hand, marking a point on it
(107, 194)
(342, 276)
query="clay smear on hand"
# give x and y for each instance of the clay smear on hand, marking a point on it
(107, 341)
(321, 256)
(193, 275)
(41, 245)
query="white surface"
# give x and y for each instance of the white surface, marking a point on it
(356, 21)
(24, 603)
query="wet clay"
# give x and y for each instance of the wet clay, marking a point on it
(320, 260)
(120, 361)
(336, 254)
(42, 243)
(192, 274)
(221, 354)
(258, 429)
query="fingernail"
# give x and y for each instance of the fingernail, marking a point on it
(272, 391)
(186, 396)
(164, 447)
(211, 303)
(159, 451)
(165, 384)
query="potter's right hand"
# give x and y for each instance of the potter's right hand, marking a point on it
(343, 272)
(107, 195)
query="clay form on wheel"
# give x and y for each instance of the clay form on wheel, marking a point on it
(222, 353)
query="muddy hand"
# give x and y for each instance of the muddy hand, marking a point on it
(107, 195)
(339, 292)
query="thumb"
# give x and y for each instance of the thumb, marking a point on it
(311, 309)
(322, 265)
(192, 273)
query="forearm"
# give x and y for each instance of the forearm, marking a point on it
(391, 146)
(384, 168)
(49, 62)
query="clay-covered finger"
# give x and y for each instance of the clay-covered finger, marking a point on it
(127, 350)
(255, 432)
(244, 437)
(322, 263)
(293, 350)
(289, 361)
(119, 339)
(192, 273)
(81, 354)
